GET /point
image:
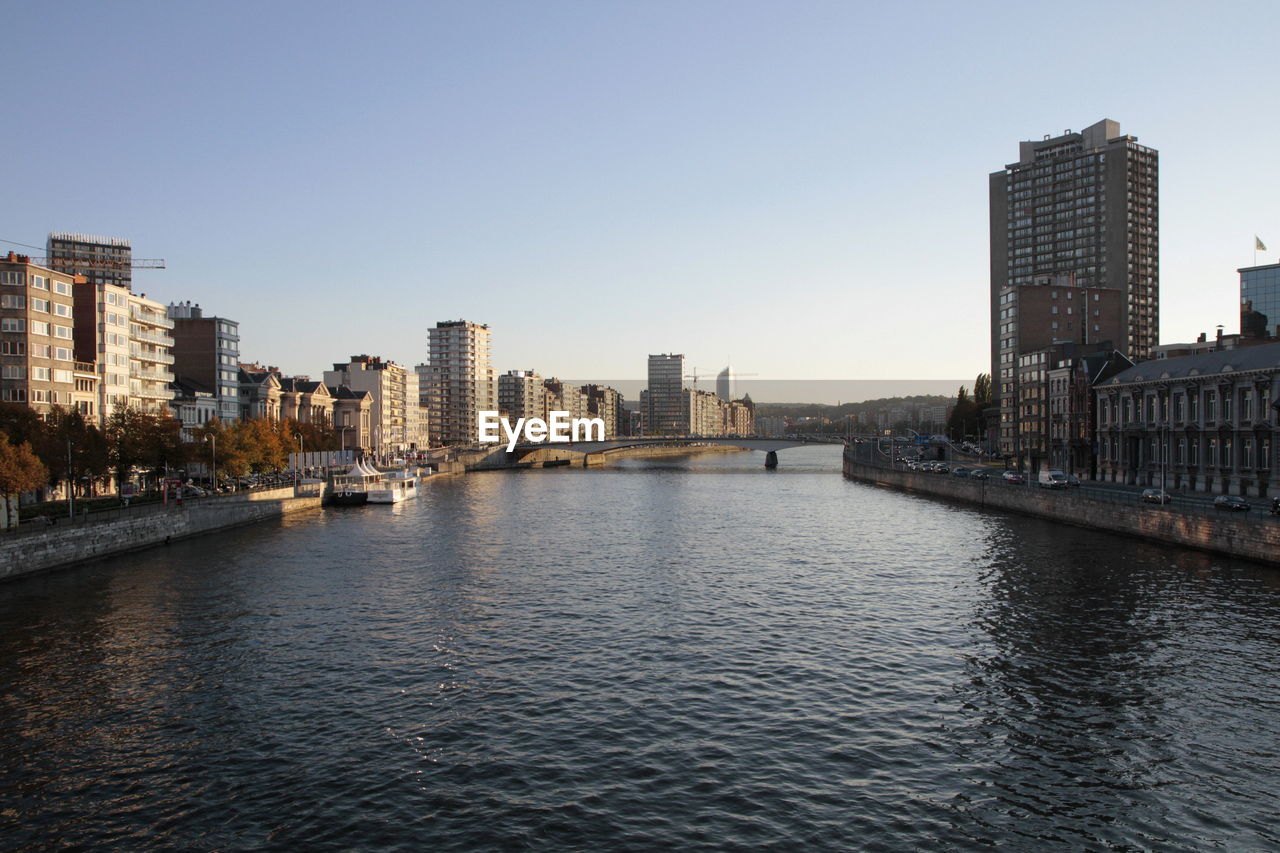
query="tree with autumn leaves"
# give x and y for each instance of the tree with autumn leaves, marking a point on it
(259, 446)
(134, 443)
(20, 471)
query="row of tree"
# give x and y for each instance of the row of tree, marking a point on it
(968, 416)
(65, 447)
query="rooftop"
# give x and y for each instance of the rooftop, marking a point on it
(1263, 357)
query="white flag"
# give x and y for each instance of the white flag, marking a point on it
(1258, 245)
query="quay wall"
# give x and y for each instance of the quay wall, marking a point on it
(68, 544)
(1230, 534)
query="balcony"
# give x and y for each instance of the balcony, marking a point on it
(152, 355)
(152, 375)
(151, 318)
(151, 392)
(151, 338)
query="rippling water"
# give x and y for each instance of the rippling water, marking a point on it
(693, 653)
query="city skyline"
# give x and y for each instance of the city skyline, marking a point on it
(783, 189)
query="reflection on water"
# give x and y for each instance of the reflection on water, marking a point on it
(693, 652)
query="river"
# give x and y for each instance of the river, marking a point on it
(685, 653)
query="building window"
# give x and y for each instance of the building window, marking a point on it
(39, 282)
(1182, 452)
(1210, 406)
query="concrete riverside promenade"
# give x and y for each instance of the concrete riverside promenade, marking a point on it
(66, 544)
(1252, 535)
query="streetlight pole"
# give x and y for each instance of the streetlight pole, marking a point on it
(213, 479)
(297, 468)
(71, 486)
(1164, 452)
(343, 432)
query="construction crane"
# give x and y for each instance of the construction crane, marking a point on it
(733, 374)
(95, 263)
(105, 263)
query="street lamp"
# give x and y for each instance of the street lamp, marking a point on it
(213, 480)
(1164, 452)
(343, 432)
(71, 486)
(297, 468)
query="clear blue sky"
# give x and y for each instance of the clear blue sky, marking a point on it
(800, 186)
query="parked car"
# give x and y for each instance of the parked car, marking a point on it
(1013, 477)
(1234, 503)
(1155, 496)
(979, 474)
(959, 472)
(1073, 481)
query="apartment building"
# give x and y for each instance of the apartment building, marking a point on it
(664, 407)
(1074, 257)
(521, 394)
(460, 381)
(102, 338)
(387, 384)
(99, 260)
(607, 404)
(150, 355)
(207, 349)
(37, 355)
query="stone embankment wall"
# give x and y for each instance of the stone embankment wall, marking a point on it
(1231, 534)
(68, 544)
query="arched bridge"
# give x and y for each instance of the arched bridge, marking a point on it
(770, 446)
